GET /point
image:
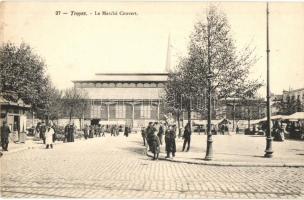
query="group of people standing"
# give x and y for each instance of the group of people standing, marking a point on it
(46, 133)
(94, 130)
(115, 130)
(154, 133)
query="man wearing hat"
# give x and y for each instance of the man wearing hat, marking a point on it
(170, 136)
(5, 131)
(42, 132)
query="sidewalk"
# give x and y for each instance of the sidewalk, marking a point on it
(15, 147)
(238, 150)
(30, 143)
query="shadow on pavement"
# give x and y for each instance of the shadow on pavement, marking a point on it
(135, 150)
(256, 135)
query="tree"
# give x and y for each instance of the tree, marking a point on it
(211, 45)
(75, 103)
(22, 74)
(218, 63)
(54, 103)
(181, 91)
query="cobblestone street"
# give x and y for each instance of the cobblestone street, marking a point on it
(116, 167)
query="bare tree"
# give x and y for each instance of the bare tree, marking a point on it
(75, 103)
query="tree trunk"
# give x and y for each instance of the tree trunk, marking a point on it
(178, 122)
(189, 119)
(248, 118)
(71, 112)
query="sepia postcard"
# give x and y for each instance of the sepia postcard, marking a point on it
(152, 99)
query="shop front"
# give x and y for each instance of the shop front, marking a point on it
(14, 113)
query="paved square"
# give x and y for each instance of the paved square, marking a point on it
(115, 167)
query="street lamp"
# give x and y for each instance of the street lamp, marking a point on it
(209, 151)
(268, 151)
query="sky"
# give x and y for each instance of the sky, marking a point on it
(76, 47)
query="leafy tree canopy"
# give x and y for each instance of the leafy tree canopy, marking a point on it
(23, 74)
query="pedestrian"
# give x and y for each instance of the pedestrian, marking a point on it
(5, 131)
(150, 132)
(54, 135)
(160, 133)
(42, 132)
(103, 131)
(69, 132)
(37, 130)
(153, 141)
(86, 131)
(144, 135)
(237, 129)
(49, 135)
(112, 130)
(126, 133)
(66, 132)
(170, 136)
(72, 130)
(99, 130)
(187, 136)
(117, 129)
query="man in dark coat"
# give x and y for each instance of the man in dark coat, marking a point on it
(5, 131)
(103, 131)
(170, 136)
(126, 133)
(153, 140)
(91, 132)
(86, 131)
(150, 134)
(144, 135)
(42, 132)
(160, 134)
(187, 136)
(69, 132)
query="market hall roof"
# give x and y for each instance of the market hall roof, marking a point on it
(127, 78)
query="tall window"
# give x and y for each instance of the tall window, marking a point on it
(145, 111)
(120, 111)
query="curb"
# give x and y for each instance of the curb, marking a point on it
(32, 146)
(231, 164)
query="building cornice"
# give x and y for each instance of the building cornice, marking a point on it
(118, 81)
(133, 74)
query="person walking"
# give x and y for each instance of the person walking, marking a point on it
(91, 131)
(160, 133)
(187, 137)
(72, 131)
(170, 136)
(126, 133)
(86, 131)
(42, 132)
(49, 136)
(112, 130)
(103, 131)
(5, 131)
(69, 132)
(144, 135)
(153, 140)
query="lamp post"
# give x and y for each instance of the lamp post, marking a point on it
(268, 151)
(209, 150)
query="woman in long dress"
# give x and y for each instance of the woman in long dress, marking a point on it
(49, 136)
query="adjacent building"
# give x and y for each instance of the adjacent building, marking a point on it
(297, 94)
(14, 113)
